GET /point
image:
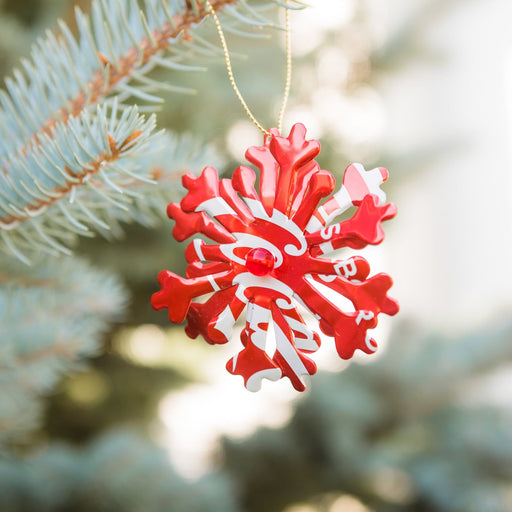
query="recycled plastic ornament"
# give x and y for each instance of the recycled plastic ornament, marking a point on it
(268, 258)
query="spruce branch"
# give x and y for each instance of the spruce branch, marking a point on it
(68, 167)
(71, 180)
(109, 167)
(117, 46)
(39, 344)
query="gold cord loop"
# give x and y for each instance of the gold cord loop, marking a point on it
(288, 70)
(229, 68)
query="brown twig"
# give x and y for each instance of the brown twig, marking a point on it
(97, 89)
(93, 167)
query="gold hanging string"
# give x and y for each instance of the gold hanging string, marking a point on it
(288, 81)
(229, 68)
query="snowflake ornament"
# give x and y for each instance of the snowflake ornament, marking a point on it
(268, 258)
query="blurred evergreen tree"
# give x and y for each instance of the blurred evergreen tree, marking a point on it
(397, 435)
(400, 434)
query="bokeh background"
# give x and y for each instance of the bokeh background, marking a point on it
(155, 423)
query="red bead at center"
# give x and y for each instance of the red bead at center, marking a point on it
(259, 261)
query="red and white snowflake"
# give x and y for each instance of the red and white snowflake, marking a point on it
(268, 258)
